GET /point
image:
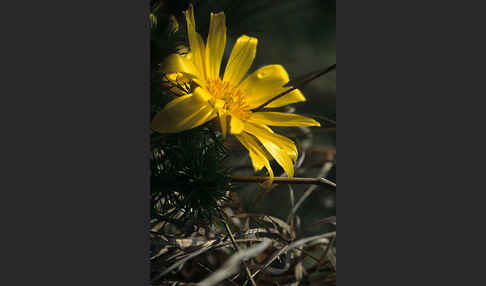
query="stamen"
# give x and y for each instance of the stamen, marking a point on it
(234, 100)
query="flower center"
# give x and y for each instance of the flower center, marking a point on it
(234, 100)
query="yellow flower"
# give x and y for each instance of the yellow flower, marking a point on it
(231, 99)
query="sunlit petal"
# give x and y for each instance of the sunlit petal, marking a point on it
(196, 42)
(257, 154)
(236, 125)
(215, 44)
(282, 119)
(271, 143)
(176, 63)
(240, 59)
(289, 98)
(285, 143)
(183, 113)
(266, 83)
(223, 121)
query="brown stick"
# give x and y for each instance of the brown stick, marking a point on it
(283, 180)
(237, 248)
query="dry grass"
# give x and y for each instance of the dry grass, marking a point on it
(241, 248)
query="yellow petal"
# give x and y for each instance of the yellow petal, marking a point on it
(285, 143)
(215, 44)
(236, 125)
(195, 42)
(240, 59)
(289, 98)
(257, 161)
(223, 120)
(257, 154)
(183, 113)
(282, 119)
(176, 63)
(275, 145)
(266, 83)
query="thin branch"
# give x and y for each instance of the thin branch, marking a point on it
(284, 180)
(238, 249)
(322, 173)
